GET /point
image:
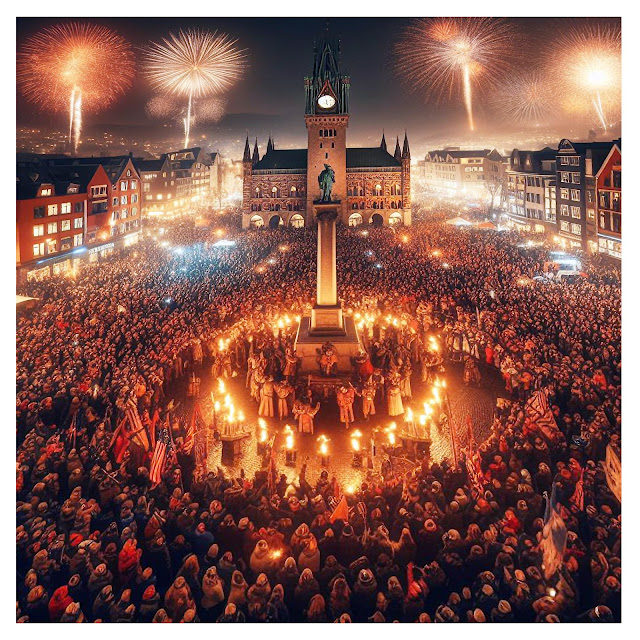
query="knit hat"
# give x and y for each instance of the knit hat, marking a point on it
(504, 607)
(365, 576)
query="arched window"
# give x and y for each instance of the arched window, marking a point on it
(275, 192)
(256, 221)
(354, 205)
(355, 219)
(296, 221)
(362, 205)
(377, 190)
(361, 191)
(395, 189)
(277, 207)
(292, 192)
(395, 218)
(275, 222)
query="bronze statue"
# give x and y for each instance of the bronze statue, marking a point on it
(326, 180)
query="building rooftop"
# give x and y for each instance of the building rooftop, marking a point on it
(296, 159)
(370, 157)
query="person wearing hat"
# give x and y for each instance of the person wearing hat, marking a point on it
(365, 591)
(340, 596)
(178, 599)
(149, 604)
(103, 603)
(257, 598)
(305, 590)
(238, 590)
(429, 542)
(502, 613)
(231, 614)
(73, 613)
(276, 608)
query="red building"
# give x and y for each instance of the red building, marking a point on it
(51, 209)
(66, 207)
(609, 204)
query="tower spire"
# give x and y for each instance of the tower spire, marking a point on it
(256, 154)
(270, 146)
(383, 142)
(247, 151)
(405, 147)
(397, 153)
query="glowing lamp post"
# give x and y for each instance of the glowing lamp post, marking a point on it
(290, 453)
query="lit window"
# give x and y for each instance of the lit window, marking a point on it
(65, 207)
(77, 240)
(65, 225)
(77, 223)
(45, 192)
(38, 230)
(52, 227)
(123, 185)
(52, 210)
(38, 249)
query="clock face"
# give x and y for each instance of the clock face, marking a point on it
(326, 101)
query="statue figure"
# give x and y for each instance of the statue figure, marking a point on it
(326, 180)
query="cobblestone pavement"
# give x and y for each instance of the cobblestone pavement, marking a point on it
(476, 402)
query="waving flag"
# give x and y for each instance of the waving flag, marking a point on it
(159, 458)
(539, 414)
(341, 512)
(554, 537)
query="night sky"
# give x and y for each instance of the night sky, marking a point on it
(271, 94)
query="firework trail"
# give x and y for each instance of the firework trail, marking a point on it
(75, 67)
(451, 57)
(193, 64)
(587, 60)
(526, 97)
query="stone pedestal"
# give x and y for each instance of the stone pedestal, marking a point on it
(326, 322)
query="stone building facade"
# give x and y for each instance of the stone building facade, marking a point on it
(373, 186)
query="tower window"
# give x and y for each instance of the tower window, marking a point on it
(320, 132)
(335, 133)
(326, 156)
(333, 144)
(321, 145)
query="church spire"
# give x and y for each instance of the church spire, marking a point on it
(256, 154)
(247, 151)
(383, 142)
(397, 154)
(270, 146)
(405, 147)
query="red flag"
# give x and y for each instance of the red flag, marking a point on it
(341, 512)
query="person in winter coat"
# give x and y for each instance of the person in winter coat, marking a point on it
(231, 614)
(257, 598)
(149, 604)
(212, 595)
(276, 608)
(129, 561)
(317, 610)
(238, 590)
(60, 600)
(288, 577)
(307, 588)
(178, 599)
(103, 603)
(349, 547)
(340, 598)
(262, 560)
(309, 557)
(364, 595)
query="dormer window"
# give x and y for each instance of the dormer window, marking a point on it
(46, 191)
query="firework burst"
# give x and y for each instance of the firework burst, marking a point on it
(451, 57)
(526, 98)
(193, 64)
(587, 59)
(75, 68)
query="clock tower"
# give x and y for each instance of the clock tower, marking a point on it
(327, 119)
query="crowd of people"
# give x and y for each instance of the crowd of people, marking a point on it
(99, 539)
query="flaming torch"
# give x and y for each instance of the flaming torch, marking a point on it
(324, 450)
(357, 449)
(290, 453)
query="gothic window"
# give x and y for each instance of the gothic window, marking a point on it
(256, 221)
(378, 190)
(297, 221)
(275, 192)
(355, 220)
(320, 132)
(292, 192)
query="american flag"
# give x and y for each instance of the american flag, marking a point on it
(159, 457)
(138, 432)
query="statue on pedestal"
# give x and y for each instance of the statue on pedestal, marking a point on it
(326, 180)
